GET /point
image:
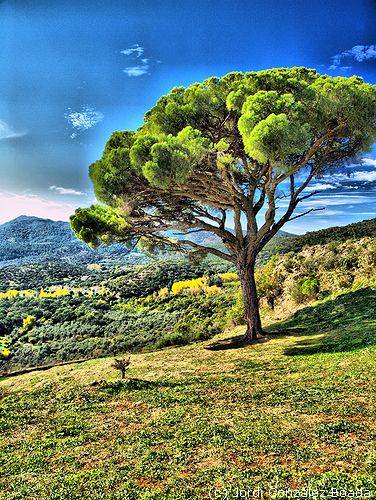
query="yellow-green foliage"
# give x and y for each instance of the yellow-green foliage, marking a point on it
(228, 277)
(9, 294)
(235, 315)
(27, 324)
(268, 279)
(60, 292)
(13, 294)
(194, 287)
(4, 347)
(53, 293)
(163, 292)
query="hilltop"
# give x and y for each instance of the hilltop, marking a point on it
(357, 230)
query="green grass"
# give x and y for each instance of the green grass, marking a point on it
(295, 411)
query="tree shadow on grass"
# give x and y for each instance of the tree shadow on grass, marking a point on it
(345, 323)
(233, 343)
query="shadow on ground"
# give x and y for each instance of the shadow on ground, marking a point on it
(346, 323)
(233, 343)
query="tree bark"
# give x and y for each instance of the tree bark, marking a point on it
(251, 303)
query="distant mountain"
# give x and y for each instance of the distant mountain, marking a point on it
(28, 239)
(32, 239)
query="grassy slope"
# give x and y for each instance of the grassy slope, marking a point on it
(295, 410)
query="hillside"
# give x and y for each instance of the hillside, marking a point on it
(31, 240)
(53, 313)
(357, 230)
(294, 412)
(197, 415)
(28, 239)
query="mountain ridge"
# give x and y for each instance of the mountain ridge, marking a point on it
(29, 239)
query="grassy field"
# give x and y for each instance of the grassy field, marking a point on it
(204, 420)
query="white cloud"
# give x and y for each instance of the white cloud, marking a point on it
(7, 132)
(136, 50)
(84, 119)
(320, 186)
(136, 70)
(140, 66)
(14, 205)
(336, 200)
(358, 53)
(62, 190)
(369, 161)
(364, 176)
(354, 173)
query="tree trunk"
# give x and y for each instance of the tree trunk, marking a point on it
(251, 303)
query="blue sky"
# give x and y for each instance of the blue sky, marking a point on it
(71, 72)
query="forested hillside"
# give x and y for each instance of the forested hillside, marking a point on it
(31, 240)
(323, 236)
(57, 312)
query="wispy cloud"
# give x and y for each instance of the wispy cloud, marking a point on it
(364, 176)
(136, 49)
(68, 191)
(361, 176)
(140, 66)
(358, 53)
(7, 132)
(320, 186)
(354, 176)
(15, 204)
(340, 199)
(136, 70)
(84, 119)
(369, 161)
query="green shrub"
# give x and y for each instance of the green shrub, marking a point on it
(235, 315)
(304, 289)
(171, 339)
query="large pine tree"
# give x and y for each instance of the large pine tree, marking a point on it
(223, 153)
